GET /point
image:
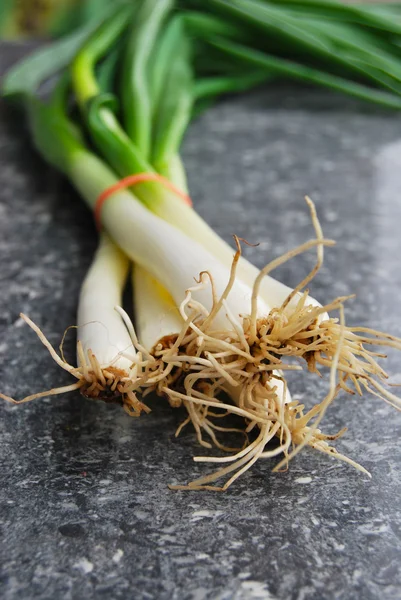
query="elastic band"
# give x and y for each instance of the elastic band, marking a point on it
(134, 180)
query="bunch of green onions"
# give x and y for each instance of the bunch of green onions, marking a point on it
(206, 320)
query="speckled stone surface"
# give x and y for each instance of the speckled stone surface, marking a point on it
(85, 509)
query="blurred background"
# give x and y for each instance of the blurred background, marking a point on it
(28, 19)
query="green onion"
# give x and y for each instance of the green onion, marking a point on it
(135, 92)
(206, 320)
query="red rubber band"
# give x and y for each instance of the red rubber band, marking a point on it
(134, 180)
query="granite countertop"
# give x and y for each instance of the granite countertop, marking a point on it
(85, 508)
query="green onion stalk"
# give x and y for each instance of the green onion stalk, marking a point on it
(206, 320)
